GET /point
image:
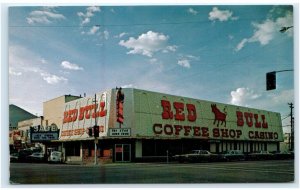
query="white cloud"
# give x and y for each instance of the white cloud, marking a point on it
(106, 34)
(184, 63)
(43, 61)
(185, 60)
(147, 44)
(266, 31)
(242, 95)
(70, 66)
(129, 86)
(45, 16)
(283, 97)
(153, 61)
(86, 17)
(170, 48)
(192, 11)
(121, 35)
(241, 44)
(52, 79)
(13, 72)
(93, 30)
(221, 15)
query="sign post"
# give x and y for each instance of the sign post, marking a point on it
(95, 131)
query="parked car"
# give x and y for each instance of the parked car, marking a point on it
(260, 155)
(55, 156)
(36, 157)
(14, 157)
(196, 156)
(232, 155)
(23, 155)
(281, 155)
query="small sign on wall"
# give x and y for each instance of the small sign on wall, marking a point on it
(118, 132)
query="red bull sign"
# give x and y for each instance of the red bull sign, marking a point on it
(177, 117)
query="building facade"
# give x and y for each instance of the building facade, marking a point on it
(134, 125)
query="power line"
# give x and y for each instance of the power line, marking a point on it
(122, 25)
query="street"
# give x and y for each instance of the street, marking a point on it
(154, 173)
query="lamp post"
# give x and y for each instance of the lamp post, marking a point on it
(95, 140)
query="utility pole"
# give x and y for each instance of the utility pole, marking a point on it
(292, 128)
(95, 141)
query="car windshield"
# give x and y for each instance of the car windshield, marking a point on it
(55, 153)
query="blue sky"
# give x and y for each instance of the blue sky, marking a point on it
(218, 53)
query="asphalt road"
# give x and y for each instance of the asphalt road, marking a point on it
(158, 173)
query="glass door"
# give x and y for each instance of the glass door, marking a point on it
(122, 152)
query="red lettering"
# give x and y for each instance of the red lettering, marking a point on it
(232, 133)
(167, 113)
(270, 134)
(196, 131)
(192, 115)
(88, 111)
(65, 120)
(216, 132)
(75, 112)
(187, 130)
(179, 107)
(257, 124)
(81, 115)
(102, 111)
(240, 120)
(264, 124)
(204, 132)
(178, 128)
(224, 132)
(249, 119)
(238, 133)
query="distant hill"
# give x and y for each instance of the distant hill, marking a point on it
(17, 114)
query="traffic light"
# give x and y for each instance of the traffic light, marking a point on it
(90, 131)
(96, 131)
(271, 80)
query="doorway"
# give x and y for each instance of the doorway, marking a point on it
(122, 152)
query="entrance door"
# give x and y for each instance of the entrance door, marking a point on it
(122, 152)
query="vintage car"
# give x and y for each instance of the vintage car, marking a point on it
(55, 157)
(36, 157)
(260, 155)
(231, 155)
(281, 155)
(196, 156)
(14, 157)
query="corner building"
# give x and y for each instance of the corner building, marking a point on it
(149, 125)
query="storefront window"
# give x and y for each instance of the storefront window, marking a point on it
(73, 149)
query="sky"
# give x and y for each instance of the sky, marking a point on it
(219, 53)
